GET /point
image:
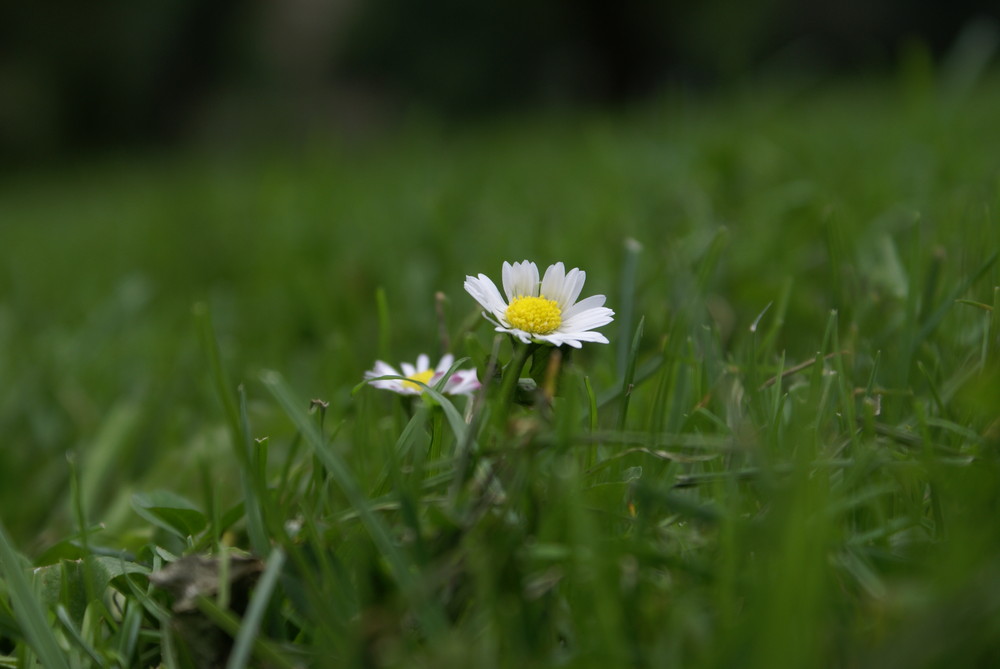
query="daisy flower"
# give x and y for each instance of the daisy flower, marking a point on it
(541, 311)
(461, 382)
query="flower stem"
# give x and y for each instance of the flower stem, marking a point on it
(508, 383)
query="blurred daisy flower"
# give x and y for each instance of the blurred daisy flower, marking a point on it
(543, 311)
(461, 382)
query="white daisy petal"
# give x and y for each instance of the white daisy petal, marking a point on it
(554, 339)
(589, 319)
(382, 369)
(463, 382)
(408, 369)
(491, 320)
(447, 360)
(553, 281)
(560, 339)
(484, 291)
(571, 287)
(586, 303)
(524, 337)
(507, 280)
(568, 290)
(423, 362)
(591, 336)
(521, 280)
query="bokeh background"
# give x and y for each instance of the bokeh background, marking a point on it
(283, 162)
(78, 77)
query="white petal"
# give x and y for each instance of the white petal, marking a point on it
(558, 339)
(408, 369)
(462, 382)
(587, 320)
(583, 305)
(507, 280)
(423, 362)
(447, 360)
(553, 281)
(520, 279)
(524, 337)
(394, 385)
(381, 369)
(484, 291)
(571, 288)
(595, 337)
(495, 322)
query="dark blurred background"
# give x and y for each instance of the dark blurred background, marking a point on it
(77, 76)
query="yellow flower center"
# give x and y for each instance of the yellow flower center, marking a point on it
(424, 377)
(536, 315)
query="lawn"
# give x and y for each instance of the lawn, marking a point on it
(786, 455)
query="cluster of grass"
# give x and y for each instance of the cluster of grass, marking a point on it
(787, 456)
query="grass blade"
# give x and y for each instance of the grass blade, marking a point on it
(210, 345)
(243, 644)
(626, 306)
(251, 483)
(935, 318)
(28, 609)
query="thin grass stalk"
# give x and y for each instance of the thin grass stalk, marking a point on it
(626, 307)
(254, 486)
(628, 380)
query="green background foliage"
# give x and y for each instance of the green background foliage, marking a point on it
(731, 508)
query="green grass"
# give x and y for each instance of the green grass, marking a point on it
(787, 456)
